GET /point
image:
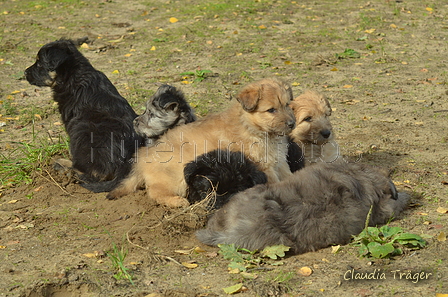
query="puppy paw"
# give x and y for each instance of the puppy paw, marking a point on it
(110, 196)
(174, 201)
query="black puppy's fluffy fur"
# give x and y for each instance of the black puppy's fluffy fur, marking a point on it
(166, 109)
(223, 172)
(98, 120)
(317, 206)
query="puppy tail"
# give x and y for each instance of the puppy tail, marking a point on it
(210, 237)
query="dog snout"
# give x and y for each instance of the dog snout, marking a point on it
(291, 124)
(325, 133)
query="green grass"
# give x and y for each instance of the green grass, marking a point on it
(117, 256)
(19, 165)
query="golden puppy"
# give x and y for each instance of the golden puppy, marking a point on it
(313, 131)
(257, 125)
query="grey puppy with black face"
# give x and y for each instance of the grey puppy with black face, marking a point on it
(318, 206)
(166, 109)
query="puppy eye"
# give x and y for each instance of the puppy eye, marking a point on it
(308, 119)
(271, 110)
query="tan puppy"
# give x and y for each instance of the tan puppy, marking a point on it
(258, 125)
(314, 132)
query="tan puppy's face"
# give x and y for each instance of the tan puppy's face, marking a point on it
(312, 111)
(267, 105)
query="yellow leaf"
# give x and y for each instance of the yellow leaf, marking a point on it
(305, 271)
(12, 201)
(441, 295)
(335, 249)
(38, 117)
(199, 250)
(115, 72)
(347, 86)
(61, 27)
(295, 84)
(429, 9)
(173, 20)
(370, 31)
(84, 46)
(2, 247)
(15, 92)
(393, 26)
(442, 210)
(234, 271)
(262, 27)
(334, 69)
(128, 55)
(287, 62)
(185, 82)
(153, 48)
(89, 255)
(441, 236)
(189, 265)
(183, 252)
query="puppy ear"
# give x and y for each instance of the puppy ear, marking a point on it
(59, 53)
(173, 106)
(249, 97)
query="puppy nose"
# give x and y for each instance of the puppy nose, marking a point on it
(325, 133)
(291, 124)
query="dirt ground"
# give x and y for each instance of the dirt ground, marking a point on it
(390, 109)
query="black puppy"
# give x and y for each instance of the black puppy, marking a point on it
(165, 110)
(98, 120)
(221, 171)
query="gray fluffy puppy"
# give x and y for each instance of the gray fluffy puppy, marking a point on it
(316, 207)
(166, 109)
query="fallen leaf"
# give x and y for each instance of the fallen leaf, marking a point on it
(153, 48)
(441, 236)
(115, 72)
(189, 265)
(128, 55)
(335, 249)
(2, 247)
(199, 250)
(89, 255)
(233, 289)
(393, 26)
(12, 201)
(334, 69)
(429, 9)
(25, 226)
(262, 27)
(305, 271)
(441, 295)
(248, 275)
(370, 31)
(442, 210)
(347, 86)
(294, 84)
(183, 252)
(173, 20)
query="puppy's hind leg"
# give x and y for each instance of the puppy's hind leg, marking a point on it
(127, 186)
